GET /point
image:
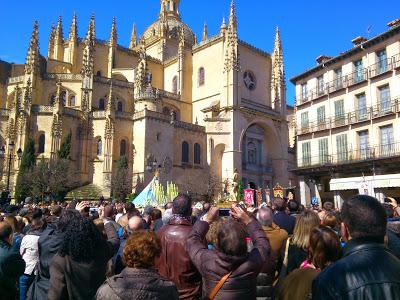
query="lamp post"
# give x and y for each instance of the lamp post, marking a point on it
(11, 147)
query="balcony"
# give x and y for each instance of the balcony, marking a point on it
(396, 61)
(352, 156)
(357, 77)
(380, 68)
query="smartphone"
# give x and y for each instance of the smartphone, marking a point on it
(224, 212)
(93, 210)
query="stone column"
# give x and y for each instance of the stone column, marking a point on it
(305, 193)
(337, 198)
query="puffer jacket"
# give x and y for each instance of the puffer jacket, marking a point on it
(144, 284)
(213, 264)
(367, 271)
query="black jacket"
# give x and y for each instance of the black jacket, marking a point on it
(367, 271)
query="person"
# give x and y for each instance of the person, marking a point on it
(17, 229)
(12, 265)
(327, 207)
(139, 280)
(81, 261)
(230, 260)
(293, 207)
(174, 262)
(324, 249)
(108, 217)
(134, 224)
(276, 237)
(130, 210)
(282, 219)
(156, 217)
(393, 230)
(330, 220)
(298, 244)
(367, 270)
(29, 251)
(120, 212)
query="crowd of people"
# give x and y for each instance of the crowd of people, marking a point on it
(186, 250)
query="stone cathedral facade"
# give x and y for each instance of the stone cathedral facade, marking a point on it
(195, 109)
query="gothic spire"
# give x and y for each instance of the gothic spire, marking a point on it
(32, 58)
(113, 34)
(59, 32)
(91, 34)
(73, 31)
(133, 42)
(87, 64)
(205, 33)
(110, 107)
(51, 41)
(277, 58)
(223, 27)
(232, 17)
(231, 53)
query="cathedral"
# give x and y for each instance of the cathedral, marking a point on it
(195, 110)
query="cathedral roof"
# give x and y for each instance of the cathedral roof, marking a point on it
(174, 27)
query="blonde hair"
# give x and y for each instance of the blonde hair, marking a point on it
(305, 223)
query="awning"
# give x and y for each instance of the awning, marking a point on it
(353, 183)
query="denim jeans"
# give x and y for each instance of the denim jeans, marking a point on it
(25, 282)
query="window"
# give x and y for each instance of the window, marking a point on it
(321, 115)
(341, 147)
(201, 76)
(122, 148)
(382, 61)
(72, 101)
(42, 142)
(185, 152)
(98, 73)
(120, 107)
(175, 84)
(361, 107)
(321, 85)
(166, 111)
(387, 140)
(306, 153)
(64, 98)
(338, 78)
(339, 110)
(304, 92)
(323, 151)
(384, 98)
(304, 120)
(251, 153)
(363, 142)
(99, 147)
(52, 99)
(197, 154)
(359, 71)
(102, 105)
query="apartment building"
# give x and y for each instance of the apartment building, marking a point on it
(348, 122)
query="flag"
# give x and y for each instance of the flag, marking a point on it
(147, 195)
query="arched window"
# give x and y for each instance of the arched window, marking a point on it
(42, 141)
(72, 101)
(122, 148)
(52, 99)
(251, 153)
(185, 152)
(102, 104)
(197, 154)
(166, 111)
(64, 98)
(202, 76)
(98, 73)
(120, 107)
(175, 84)
(99, 147)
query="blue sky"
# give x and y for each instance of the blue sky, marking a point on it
(308, 28)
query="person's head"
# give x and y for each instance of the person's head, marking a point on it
(293, 206)
(265, 216)
(232, 239)
(129, 206)
(305, 223)
(167, 216)
(135, 223)
(328, 206)
(148, 210)
(206, 207)
(215, 227)
(169, 205)
(324, 247)
(56, 210)
(363, 216)
(12, 221)
(389, 210)
(5, 232)
(141, 249)
(156, 214)
(99, 223)
(67, 217)
(37, 219)
(81, 239)
(330, 220)
(279, 204)
(108, 211)
(182, 205)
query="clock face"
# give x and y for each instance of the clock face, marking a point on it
(249, 80)
(167, 165)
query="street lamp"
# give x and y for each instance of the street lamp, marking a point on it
(11, 147)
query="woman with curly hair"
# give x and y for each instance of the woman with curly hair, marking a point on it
(139, 280)
(80, 265)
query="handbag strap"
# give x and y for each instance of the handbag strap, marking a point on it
(219, 285)
(286, 258)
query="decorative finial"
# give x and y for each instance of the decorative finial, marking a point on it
(205, 33)
(73, 31)
(113, 35)
(133, 42)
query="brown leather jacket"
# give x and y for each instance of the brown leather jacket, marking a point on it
(174, 262)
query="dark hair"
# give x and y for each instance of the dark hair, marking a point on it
(182, 205)
(141, 250)
(232, 239)
(156, 214)
(66, 217)
(293, 206)
(81, 240)
(389, 210)
(56, 210)
(5, 230)
(37, 213)
(328, 206)
(324, 247)
(133, 212)
(280, 204)
(364, 216)
(129, 206)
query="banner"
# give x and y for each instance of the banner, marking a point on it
(365, 188)
(249, 197)
(258, 197)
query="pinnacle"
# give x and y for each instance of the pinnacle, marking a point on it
(205, 32)
(73, 32)
(133, 42)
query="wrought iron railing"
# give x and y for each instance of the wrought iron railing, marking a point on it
(381, 67)
(63, 76)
